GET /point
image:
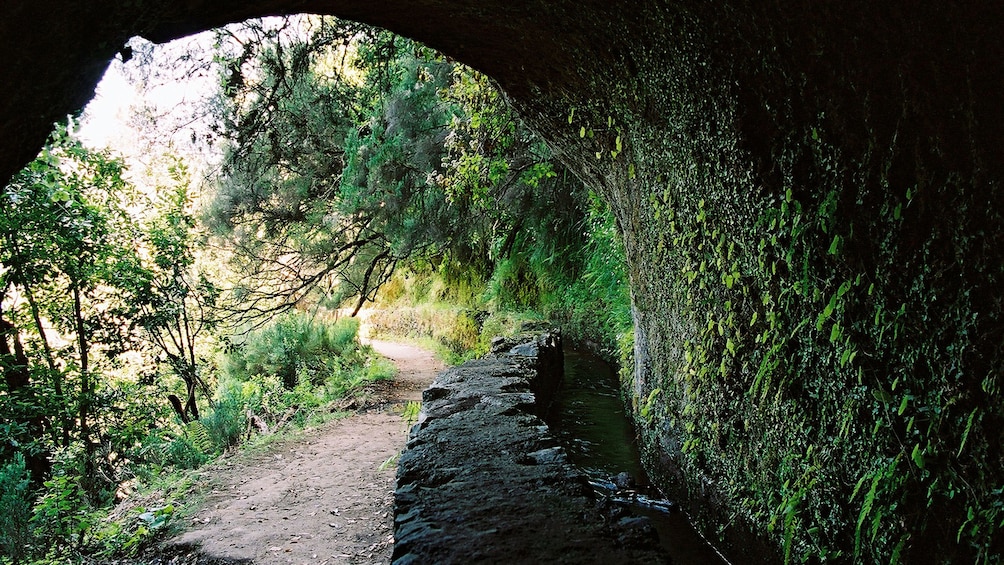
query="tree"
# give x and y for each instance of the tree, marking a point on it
(529, 212)
(69, 242)
(174, 301)
(353, 150)
(307, 201)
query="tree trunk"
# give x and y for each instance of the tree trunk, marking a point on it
(13, 361)
(55, 375)
(510, 240)
(364, 288)
(178, 408)
(86, 388)
(191, 380)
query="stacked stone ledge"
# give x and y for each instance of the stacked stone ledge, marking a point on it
(482, 479)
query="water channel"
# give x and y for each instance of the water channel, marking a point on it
(589, 419)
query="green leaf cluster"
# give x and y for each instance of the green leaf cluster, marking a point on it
(825, 379)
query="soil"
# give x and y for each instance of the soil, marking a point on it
(325, 497)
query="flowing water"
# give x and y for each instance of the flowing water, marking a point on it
(589, 419)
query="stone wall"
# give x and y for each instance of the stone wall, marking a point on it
(482, 480)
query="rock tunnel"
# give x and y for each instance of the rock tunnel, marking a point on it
(810, 198)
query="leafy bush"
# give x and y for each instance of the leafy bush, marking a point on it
(514, 285)
(166, 448)
(596, 305)
(379, 368)
(126, 536)
(462, 336)
(63, 515)
(225, 423)
(15, 509)
(296, 346)
(189, 448)
(183, 454)
(285, 370)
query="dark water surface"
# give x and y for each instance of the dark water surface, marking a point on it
(589, 419)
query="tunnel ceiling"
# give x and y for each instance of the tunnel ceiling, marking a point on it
(54, 53)
(600, 52)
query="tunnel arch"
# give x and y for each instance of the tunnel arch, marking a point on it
(882, 121)
(64, 48)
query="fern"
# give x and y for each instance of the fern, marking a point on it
(866, 509)
(198, 435)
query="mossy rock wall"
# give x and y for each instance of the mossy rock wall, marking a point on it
(811, 203)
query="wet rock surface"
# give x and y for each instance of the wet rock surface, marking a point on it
(483, 480)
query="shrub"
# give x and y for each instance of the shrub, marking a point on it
(183, 454)
(15, 509)
(63, 514)
(287, 369)
(167, 448)
(297, 346)
(225, 423)
(461, 337)
(379, 368)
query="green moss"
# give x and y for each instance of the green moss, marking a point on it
(813, 266)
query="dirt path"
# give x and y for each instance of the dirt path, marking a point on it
(322, 498)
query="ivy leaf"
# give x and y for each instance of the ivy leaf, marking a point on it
(965, 434)
(835, 246)
(827, 312)
(918, 456)
(881, 395)
(902, 406)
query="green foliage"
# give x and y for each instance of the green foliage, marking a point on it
(63, 516)
(453, 332)
(147, 523)
(577, 283)
(376, 369)
(15, 510)
(462, 335)
(514, 285)
(135, 419)
(287, 369)
(222, 427)
(389, 463)
(817, 375)
(123, 534)
(596, 305)
(411, 413)
(69, 251)
(173, 300)
(394, 155)
(182, 453)
(296, 348)
(591, 302)
(326, 182)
